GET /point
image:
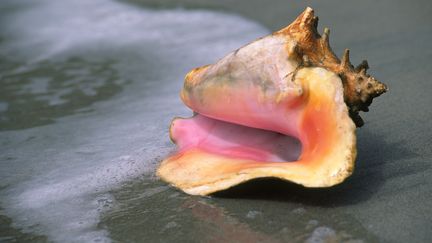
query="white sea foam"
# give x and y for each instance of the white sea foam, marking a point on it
(57, 177)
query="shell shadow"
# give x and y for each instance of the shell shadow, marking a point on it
(374, 155)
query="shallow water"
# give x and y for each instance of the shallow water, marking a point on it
(88, 89)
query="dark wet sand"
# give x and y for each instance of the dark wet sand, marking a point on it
(390, 193)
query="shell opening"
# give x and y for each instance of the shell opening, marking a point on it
(235, 141)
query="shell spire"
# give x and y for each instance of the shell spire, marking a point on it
(359, 87)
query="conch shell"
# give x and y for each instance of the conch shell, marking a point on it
(251, 105)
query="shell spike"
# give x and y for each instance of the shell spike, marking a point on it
(325, 37)
(305, 21)
(363, 65)
(345, 62)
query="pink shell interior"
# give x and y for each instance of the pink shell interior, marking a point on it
(232, 140)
